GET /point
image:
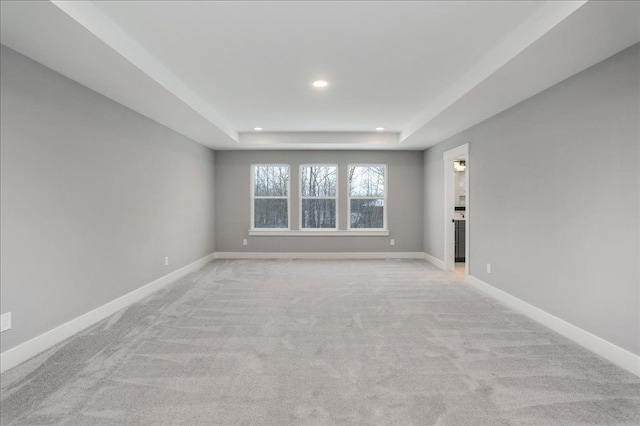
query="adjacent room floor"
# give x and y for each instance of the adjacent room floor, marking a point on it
(319, 342)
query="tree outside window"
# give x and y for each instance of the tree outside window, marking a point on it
(367, 194)
(270, 196)
(318, 196)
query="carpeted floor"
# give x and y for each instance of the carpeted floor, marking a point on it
(318, 342)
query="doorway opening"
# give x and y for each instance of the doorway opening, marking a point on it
(456, 210)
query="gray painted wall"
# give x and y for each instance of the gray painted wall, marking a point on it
(404, 208)
(555, 202)
(93, 196)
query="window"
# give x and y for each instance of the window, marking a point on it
(270, 197)
(318, 196)
(367, 196)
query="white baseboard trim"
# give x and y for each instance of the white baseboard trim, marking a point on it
(18, 354)
(319, 255)
(598, 345)
(434, 261)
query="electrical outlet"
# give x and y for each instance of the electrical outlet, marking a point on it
(166, 260)
(5, 322)
(392, 242)
(488, 268)
(244, 242)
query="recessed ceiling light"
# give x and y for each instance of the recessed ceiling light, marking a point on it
(257, 129)
(379, 129)
(320, 84)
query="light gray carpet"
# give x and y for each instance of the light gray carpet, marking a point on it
(319, 342)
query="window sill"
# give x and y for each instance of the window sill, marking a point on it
(354, 233)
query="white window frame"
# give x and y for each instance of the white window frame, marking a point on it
(252, 170)
(385, 216)
(335, 197)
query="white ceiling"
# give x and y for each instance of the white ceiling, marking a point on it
(423, 70)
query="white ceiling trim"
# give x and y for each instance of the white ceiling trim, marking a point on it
(320, 140)
(91, 18)
(541, 22)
